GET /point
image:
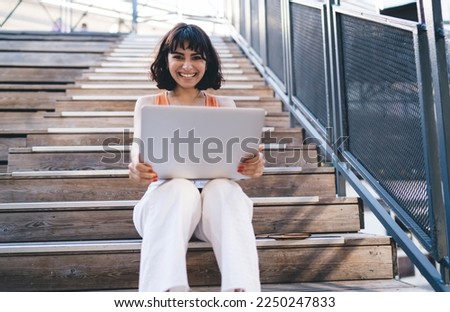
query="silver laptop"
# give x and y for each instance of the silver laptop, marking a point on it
(199, 142)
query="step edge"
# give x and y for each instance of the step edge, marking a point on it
(134, 245)
(119, 173)
(257, 201)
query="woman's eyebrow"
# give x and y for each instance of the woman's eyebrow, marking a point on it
(181, 53)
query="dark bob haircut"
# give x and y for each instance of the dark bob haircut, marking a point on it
(187, 37)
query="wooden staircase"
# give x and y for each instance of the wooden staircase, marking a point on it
(66, 201)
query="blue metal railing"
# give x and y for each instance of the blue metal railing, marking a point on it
(371, 90)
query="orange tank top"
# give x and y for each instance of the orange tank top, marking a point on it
(210, 100)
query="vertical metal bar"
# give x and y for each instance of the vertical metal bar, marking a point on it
(262, 32)
(248, 24)
(334, 131)
(134, 20)
(438, 119)
(287, 43)
(71, 26)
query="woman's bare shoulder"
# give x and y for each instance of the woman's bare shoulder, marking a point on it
(146, 100)
(226, 101)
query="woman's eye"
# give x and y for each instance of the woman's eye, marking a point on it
(198, 58)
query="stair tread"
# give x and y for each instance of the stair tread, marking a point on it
(132, 245)
(124, 148)
(258, 201)
(124, 172)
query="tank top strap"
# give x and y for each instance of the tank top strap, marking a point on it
(211, 100)
(162, 99)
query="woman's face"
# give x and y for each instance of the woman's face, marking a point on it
(186, 66)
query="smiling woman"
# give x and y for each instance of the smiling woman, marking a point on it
(172, 210)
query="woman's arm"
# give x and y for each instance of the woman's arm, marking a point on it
(140, 172)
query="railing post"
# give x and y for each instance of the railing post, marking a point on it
(437, 118)
(134, 21)
(335, 128)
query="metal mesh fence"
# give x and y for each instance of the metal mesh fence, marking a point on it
(275, 56)
(308, 60)
(384, 124)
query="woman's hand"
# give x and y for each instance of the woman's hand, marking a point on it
(253, 167)
(142, 173)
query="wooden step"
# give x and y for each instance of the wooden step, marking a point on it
(101, 265)
(124, 136)
(115, 185)
(226, 59)
(28, 122)
(65, 47)
(40, 75)
(134, 50)
(49, 59)
(281, 120)
(269, 104)
(261, 91)
(134, 97)
(119, 136)
(114, 156)
(57, 37)
(27, 87)
(109, 220)
(137, 70)
(32, 100)
(123, 84)
(91, 76)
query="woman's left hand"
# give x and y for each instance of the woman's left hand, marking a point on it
(253, 167)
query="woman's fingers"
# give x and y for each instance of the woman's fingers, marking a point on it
(253, 167)
(142, 173)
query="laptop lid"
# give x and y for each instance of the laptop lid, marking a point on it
(196, 142)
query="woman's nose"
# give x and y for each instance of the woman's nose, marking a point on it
(187, 64)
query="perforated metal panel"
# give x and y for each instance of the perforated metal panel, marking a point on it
(254, 9)
(308, 60)
(383, 110)
(275, 55)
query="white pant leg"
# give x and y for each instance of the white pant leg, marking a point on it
(227, 223)
(166, 218)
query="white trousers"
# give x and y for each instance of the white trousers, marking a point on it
(170, 213)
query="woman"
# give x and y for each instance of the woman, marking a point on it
(171, 211)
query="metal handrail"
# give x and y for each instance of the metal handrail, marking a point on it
(330, 137)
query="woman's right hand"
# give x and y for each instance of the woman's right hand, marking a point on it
(142, 173)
